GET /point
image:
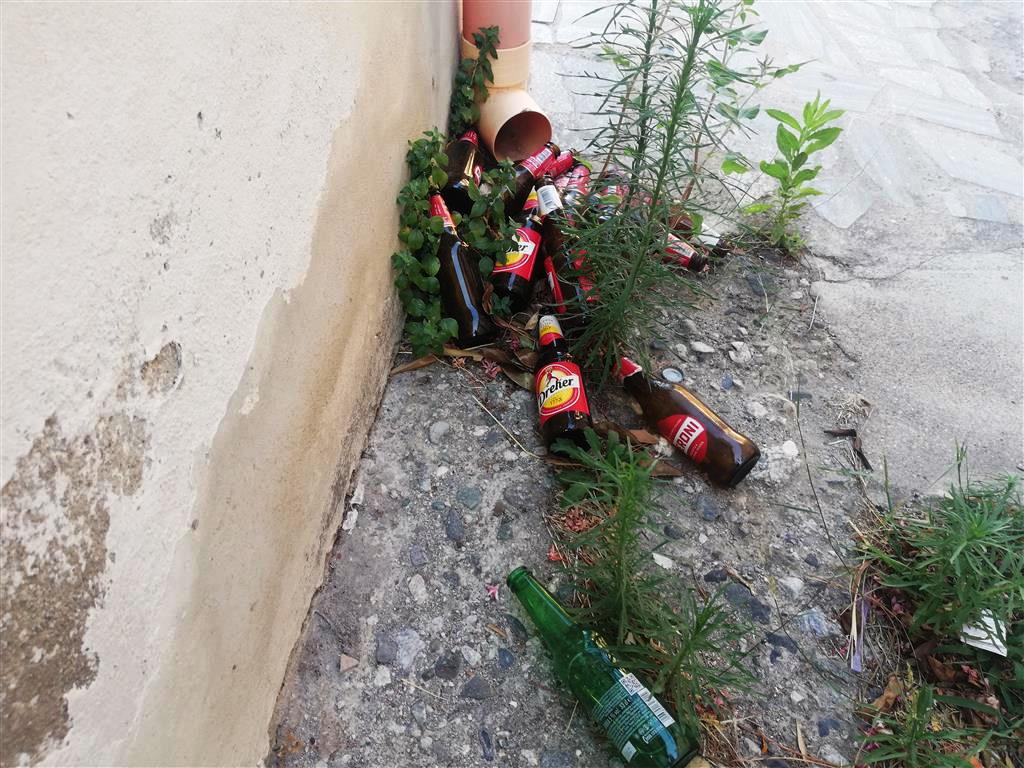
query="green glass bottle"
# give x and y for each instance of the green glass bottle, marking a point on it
(625, 711)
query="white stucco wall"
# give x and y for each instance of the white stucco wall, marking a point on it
(198, 213)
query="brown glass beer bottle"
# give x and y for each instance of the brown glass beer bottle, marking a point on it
(686, 422)
(462, 287)
(526, 174)
(465, 166)
(567, 275)
(561, 397)
(680, 252)
(514, 278)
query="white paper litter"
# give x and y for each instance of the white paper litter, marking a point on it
(989, 634)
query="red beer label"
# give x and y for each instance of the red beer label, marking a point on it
(521, 260)
(555, 285)
(471, 136)
(438, 208)
(478, 172)
(626, 368)
(687, 434)
(680, 251)
(559, 388)
(531, 201)
(536, 164)
(578, 179)
(562, 163)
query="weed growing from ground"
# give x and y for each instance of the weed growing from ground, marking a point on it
(796, 143)
(950, 564)
(672, 95)
(688, 646)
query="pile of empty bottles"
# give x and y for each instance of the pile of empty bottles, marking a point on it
(549, 192)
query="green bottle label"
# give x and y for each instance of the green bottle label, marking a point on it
(628, 712)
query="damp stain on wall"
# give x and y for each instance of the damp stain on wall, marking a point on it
(54, 551)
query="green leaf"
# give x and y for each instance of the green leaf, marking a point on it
(757, 36)
(783, 117)
(479, 209)
(776, 169)
(808, 192)
(757, 208)
(749, 113)
(436, 225)
(786, 141)
(735, 163)
(439, 177)
(821, 139)
(415, 240)
(417, 307)
(805, 175)
(486, 266)
(431, 265)
(799, 160)
(449, 326)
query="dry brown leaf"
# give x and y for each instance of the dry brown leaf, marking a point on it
(419, 362)
(472, 354)
(523, 378)
(664, 469)
(891, 694)
(527, 358)
(943, 672)
(800, 741)
(640, 436)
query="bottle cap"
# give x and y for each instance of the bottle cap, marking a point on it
(548, 330)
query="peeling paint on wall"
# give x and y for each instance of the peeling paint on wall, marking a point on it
(54, 552)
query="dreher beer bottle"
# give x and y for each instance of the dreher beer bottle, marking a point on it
(626, 712)
(690, 425)
(465, 166)
(561, 397)
(462, 287)
(514, 277)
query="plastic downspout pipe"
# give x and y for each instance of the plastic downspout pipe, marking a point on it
(511, 124)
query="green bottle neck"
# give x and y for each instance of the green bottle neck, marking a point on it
(556, 629)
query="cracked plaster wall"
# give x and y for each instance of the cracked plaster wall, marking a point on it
(198, 208)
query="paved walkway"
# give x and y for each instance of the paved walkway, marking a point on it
(919, 234)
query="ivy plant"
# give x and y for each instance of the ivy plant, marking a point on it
(471, 78)
(796, 141)
(416, 262)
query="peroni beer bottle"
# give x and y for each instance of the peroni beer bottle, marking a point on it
(462, 288)
(561, 399)
(514, 277)
(465, 166)
(686, 422)
(616, 701)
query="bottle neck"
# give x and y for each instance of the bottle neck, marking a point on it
(438, 208)
(553, 624)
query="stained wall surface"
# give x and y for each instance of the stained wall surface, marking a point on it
(198, 213)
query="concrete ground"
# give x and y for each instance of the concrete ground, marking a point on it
(918, 237)
(912, 301)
